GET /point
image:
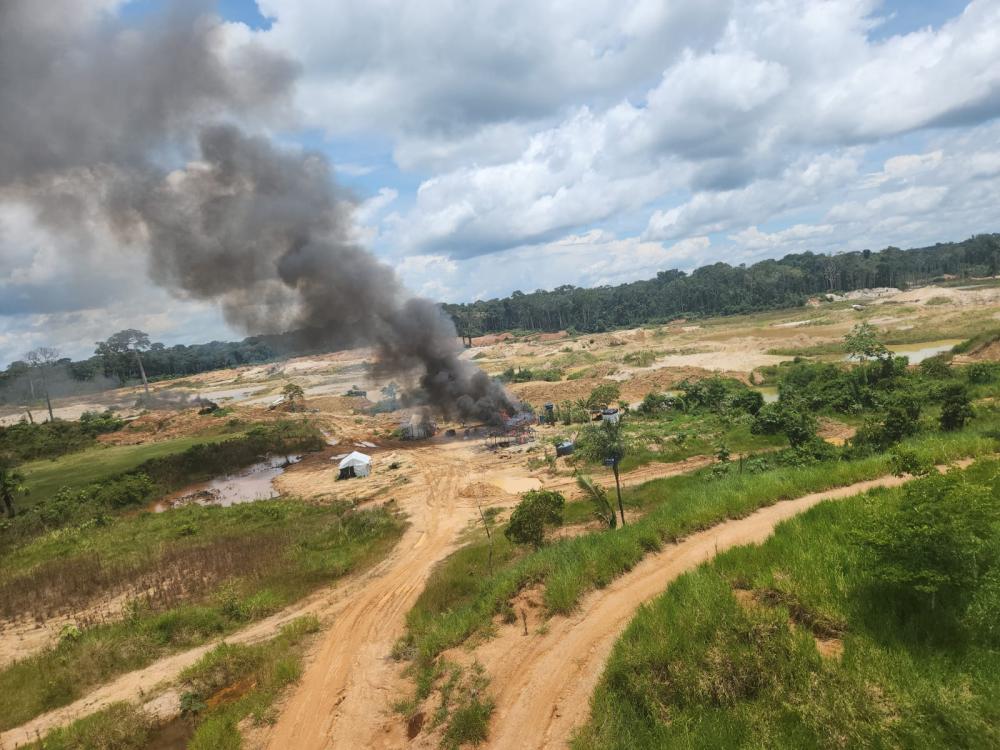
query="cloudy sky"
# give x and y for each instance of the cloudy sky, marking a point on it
(494, 146)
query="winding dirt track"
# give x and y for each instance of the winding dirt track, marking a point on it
(350, 669)
(349, 686)
(543, 683)
(344, 698)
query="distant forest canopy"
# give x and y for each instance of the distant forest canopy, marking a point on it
(721, 289)
(109, 368)
(718, 289)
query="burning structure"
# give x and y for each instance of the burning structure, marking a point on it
(417, 427)
(127, 130)
(516, 429)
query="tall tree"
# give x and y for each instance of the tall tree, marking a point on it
(41, 361)
(120, 346)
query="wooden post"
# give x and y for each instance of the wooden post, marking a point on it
(618, 487)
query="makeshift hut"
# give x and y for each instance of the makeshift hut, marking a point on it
(355, 464)
(417, 427)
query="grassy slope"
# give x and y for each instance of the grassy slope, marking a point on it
(229, 683)
(76, 470)
(697, 669)
(300, 547)
(703, 433)
(450, 613)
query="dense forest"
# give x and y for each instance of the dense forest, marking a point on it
(721, 289)
(110, 367)
(718, 289)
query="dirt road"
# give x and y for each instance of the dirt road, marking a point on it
(363, 614)
(344, 698)
(346, 693)
(543, 682)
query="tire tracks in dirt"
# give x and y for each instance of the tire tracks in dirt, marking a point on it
(345, 696)
(543, 682)
(362, 616)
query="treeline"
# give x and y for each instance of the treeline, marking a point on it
(110, 366)
(162, 361)
(721, 289)
(718, 289)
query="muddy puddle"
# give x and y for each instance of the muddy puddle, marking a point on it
(253, 483)
(769, 392)
(917, 353)
(174, 735)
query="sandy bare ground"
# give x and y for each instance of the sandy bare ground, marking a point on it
(543, 681)
(346, 693)
(362, 617)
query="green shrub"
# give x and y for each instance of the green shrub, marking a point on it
(981, 373)
(25, 441)
(642, 358)
(120, 726)
(937, 544)
(536, 509)
(956, 408)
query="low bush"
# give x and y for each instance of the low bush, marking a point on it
(536, 509)
(24, 441)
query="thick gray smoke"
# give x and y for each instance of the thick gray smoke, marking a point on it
(145, 118)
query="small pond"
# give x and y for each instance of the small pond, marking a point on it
(253, 483)
(917, 353)
(769, 392)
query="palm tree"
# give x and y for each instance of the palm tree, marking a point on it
(606, 443)
(11, 484)
(598, 497)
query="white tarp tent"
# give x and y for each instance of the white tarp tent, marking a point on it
(355, 464)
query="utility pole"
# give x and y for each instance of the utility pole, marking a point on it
(613, 463)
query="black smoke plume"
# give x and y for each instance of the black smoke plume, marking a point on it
(147, 125)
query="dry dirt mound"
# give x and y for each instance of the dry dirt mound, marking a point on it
(834, 432)
(551, 336)
(492, 339)
(541, 392)
(157, 426)
(667, 378)
(478, 490)
(988, 353)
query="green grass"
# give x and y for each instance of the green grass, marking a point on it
(698, 669)
(702, 434)
(254, 675)
(978, 341)
(120, 726)
(76, 470)
(228, 567)
(569, 568)
(162, 468)
(265, 670)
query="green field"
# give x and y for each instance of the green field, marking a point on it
(798, 644)
(76, 470)
(209, 571)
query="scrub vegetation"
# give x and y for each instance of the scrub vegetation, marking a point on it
(904, 425)
(869, 622)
